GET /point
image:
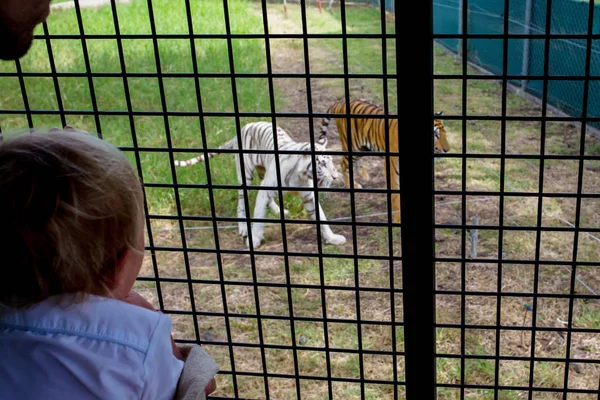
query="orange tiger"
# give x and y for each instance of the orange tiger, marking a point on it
(368, 134)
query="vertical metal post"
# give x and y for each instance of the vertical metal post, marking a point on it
(474, 238)
(460, 16)
(460, 46)
(526, 44)
(417, 200)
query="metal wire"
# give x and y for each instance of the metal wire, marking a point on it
(411, 357)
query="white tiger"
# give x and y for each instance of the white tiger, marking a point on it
(296, 170)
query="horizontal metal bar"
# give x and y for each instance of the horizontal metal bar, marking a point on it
(287, 188)
(512, 261)
(312, 378)
(271, 284)
(289, 347)
(374, 224)
(518, 294)
(518, 156)
(280, 75)
(517, 358)
(375, 190)
(149, 113)
(275, 253)
(284, 317)
(515, 388)
(550, 118)
(331, 222)
(517, 328)
(177, 75)
(371, 153)
(517, 194)
(517, 228)
(187, 36)
(500, 77)
(501, 36)
(362, 256)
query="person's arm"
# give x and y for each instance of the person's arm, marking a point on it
(197, 378)
(136, 299)
(192, 371)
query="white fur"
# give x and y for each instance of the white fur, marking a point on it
(295, 171)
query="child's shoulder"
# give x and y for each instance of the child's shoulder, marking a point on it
(128, 346)
(97, 318)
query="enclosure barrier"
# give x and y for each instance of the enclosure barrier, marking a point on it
(487, 288)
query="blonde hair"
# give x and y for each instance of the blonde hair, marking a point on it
(70, 207)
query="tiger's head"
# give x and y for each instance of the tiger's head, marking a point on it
(327, 172)
(440, 137)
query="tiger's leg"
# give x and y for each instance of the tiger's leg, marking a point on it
(341, 127)
(272, 204)
(394, 185)
(362, 170)
(263, 199)
(308, 199)
(241, 209)
(275, 208)
(345, 168)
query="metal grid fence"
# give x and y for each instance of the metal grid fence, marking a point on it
(393, 320)
(567, 55)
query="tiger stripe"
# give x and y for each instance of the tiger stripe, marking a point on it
(368, 134)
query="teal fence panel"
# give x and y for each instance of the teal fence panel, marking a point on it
(526, 56)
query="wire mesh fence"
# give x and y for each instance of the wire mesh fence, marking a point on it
(525, 51)
(487, 287)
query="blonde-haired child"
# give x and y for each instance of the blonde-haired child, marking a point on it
(72, 245)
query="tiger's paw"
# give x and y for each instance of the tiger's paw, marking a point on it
(364, 174)
(336, 240)
(256, 240)
(286, 212)
(243, 229)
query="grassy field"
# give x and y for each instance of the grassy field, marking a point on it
(180, 93)
(345, 302)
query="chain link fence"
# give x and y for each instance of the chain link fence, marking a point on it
(527, 25)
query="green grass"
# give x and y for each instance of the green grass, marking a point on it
(364, 55)
(180, 93)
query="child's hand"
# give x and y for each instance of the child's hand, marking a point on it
(136, 299)
(211, 387)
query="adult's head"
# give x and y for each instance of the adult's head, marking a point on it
(18, 19)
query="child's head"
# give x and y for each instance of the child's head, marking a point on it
(71, 217)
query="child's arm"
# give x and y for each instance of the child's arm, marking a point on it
(197, 378)
(198, 367)
(136, 299)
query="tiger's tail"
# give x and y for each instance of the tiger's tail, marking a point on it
(231, 144)
(323, 137)
(337, 108)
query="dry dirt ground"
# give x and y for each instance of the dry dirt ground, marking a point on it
(243, 299)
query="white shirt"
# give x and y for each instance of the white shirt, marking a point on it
(99, 349)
